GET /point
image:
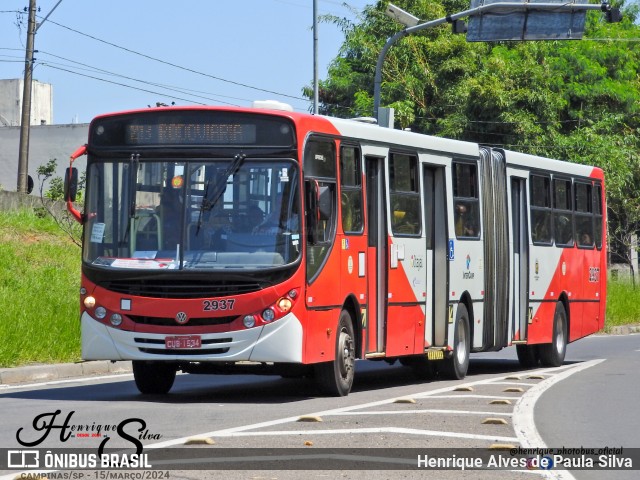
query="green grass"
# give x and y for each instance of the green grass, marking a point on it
(39, 282)
(623, 307)
(39, 300)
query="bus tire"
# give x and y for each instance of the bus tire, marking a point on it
(552, 354)
(153, 378)
(456, 366)
(336, 378)
(528, 355)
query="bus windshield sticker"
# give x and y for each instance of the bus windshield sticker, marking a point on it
(97, 232)
(142, 264)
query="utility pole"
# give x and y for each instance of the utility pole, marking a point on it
(315, 57)
(23, 154)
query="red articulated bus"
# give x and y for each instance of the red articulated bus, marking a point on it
(258, 240)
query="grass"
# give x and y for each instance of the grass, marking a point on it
(39, 300)
(39, 283)
(623, 307)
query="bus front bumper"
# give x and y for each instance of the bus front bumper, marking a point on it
(280, 341)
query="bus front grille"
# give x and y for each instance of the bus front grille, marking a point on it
(162, 289)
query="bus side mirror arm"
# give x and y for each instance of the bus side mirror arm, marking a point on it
(71, 184)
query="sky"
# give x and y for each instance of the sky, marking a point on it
(106, 56)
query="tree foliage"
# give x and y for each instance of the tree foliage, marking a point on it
(52, 200)
(572, 100)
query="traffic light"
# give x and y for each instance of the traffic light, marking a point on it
(613, 14)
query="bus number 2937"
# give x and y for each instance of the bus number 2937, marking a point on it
(215, 305)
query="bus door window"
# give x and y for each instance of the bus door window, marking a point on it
(351, 190)
(404, 195)
(466, 200)
(563, 212)
(320, 183)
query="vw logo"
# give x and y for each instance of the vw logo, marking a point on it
(182, 318)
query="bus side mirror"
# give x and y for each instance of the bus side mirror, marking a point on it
(312, 212)
(71, 184)
(324, 203)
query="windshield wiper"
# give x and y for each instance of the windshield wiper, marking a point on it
(220, 187)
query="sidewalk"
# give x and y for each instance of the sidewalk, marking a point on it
(60, 371)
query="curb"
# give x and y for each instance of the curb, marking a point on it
(624, 330)
(60, 371)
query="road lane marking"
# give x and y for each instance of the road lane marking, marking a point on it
(404, 412)
(523, 413)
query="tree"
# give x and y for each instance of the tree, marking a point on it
(52, 200)
(573, 100)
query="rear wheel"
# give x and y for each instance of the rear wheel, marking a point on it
(153, 377)
(457, 365)
(552, 354)
(336, 378)
(528, 355)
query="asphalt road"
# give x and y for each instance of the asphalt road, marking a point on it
(590, 401)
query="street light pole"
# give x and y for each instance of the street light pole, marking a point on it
(23, 154)
(315, 57)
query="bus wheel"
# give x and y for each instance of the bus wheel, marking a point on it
(527, 355)
(336, 378)
(552, 354)
(153, 377)
(455, 367)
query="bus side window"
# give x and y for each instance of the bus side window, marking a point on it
(466, 200)
(562, 212)
(540, 194)
(584, 215)
(597, 217)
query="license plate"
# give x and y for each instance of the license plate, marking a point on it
(183, 341)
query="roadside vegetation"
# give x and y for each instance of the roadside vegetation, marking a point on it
(39, 283)
(40, 279)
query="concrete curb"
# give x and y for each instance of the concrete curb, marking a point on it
(624, 330)
(60, 371)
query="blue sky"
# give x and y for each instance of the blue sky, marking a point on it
(266, 44)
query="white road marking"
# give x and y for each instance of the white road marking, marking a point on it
(63, 382)
(411, 412)
(523, 413)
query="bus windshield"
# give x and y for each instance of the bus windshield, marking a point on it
(235, 213)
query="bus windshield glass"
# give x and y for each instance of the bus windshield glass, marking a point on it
(235, 213)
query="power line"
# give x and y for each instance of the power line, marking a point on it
(107, 72)
(186, 69)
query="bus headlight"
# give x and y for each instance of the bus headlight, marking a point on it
(268, 315)
(249, 321)
(116, 319)
(101, 312)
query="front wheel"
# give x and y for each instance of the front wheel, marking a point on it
(455, 367)
(153, 378)
(336, 378)
(552, 354)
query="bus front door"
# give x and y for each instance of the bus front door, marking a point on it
(437, 271)
(376, 256)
